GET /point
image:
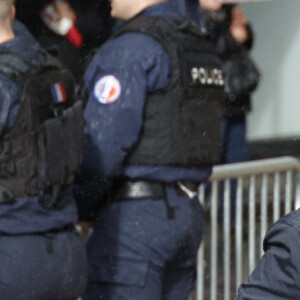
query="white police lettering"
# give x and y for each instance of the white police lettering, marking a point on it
(206, 76)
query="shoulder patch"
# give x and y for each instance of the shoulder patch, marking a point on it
(107, 89)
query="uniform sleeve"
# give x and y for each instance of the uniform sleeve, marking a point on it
(9, 103)
(118, 79)
(277, 274)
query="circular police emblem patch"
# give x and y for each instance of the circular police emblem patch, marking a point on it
(107, 89)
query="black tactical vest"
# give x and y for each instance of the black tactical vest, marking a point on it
(182, 123)
(43, 150)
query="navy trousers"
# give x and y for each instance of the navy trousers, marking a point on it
(234, 144)
(42, 267)
(137, 253)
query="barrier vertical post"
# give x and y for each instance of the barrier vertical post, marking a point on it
(252, 223)
(263, 211)
(214, 241)
(226, 232)
(238, 231)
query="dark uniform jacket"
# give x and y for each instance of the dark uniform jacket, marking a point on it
(217, 23)
(26, 215)
(277, 275)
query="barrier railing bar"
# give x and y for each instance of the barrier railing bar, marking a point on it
(238, 231)
(200, 270)
(252, 223)
(288, 191)
(276, 195)
(214, 241)
(263, 213)
(227, 216)
(201, 194)
(297, 193)
(270, 165)
(200, 273)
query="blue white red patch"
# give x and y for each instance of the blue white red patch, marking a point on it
(107, 89)
(58, 92)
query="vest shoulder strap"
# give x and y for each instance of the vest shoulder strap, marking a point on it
(16, 66)
(152, 26)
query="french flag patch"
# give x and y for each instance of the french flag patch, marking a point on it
(58, 92)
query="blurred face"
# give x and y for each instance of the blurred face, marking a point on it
(211, 4)
(124, 9)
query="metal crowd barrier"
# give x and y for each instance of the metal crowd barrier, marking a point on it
(262, 192)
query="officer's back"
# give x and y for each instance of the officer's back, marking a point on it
(41, 255)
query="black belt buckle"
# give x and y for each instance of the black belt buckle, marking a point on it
(131, 190)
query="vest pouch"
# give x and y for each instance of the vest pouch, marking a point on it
(60, 148)
(51, 153)
(73, 128)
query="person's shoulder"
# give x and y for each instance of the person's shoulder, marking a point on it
(20, 29)
(131, 47)
(9, 93)
(285, 227)
(291, 219)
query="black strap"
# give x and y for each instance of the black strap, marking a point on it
(6, 196)
(15, 66)
(182, 7)
(138, 190)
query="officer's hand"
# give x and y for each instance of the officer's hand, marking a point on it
(211, 4)
(238, 26)
(64, 10)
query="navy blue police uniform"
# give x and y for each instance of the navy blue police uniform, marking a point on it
(276, 276)
(145, 239)
(41, 255)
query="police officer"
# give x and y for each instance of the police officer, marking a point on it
(41, 255)
(277, 274)
(152, 133)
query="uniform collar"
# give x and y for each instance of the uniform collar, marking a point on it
(23, 43)
(166, 9)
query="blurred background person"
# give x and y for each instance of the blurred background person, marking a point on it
(91, 18)
(233, 38)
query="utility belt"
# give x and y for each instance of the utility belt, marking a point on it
(139, 189)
